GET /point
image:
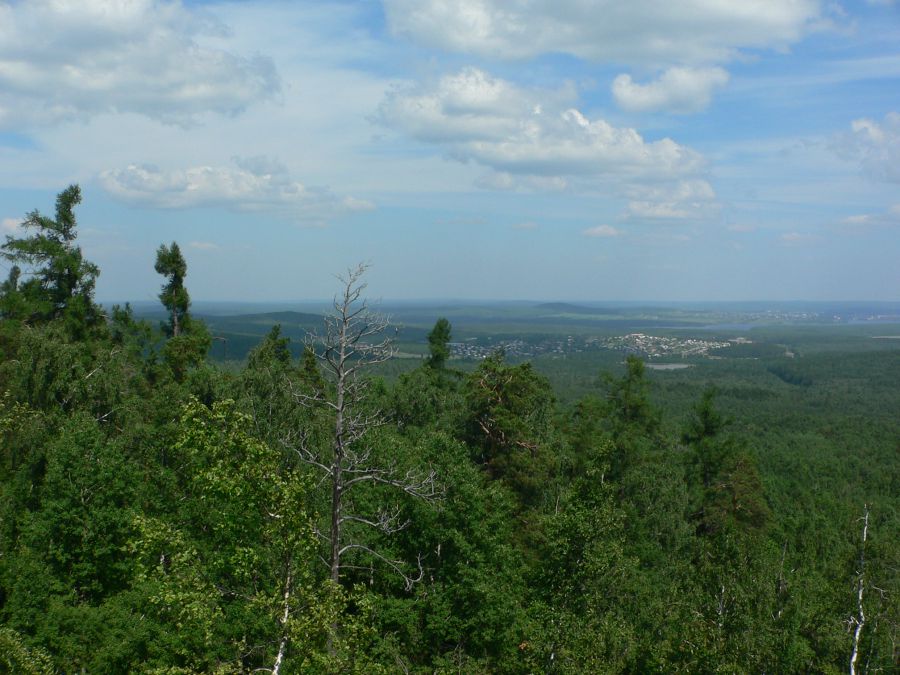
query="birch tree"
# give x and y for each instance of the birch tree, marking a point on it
(354, 340)
(858, 621)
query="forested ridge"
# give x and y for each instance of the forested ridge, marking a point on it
(162, 514)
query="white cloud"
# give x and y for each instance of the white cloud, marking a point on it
(638, 32)
(888, 217)
(679, 200)
(876, 146)
(796, 238)
(601, 231)
(529, 138)
(203, 245)
(503, 181)
(860, 219)
(528, 225)
(742, 227)
(679, 90)
(251, 184)
(10, 225)
(62, 59)
(470, 105)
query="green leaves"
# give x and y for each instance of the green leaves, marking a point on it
(16, 657)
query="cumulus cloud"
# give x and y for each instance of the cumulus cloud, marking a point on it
(250, 184)
(529, 138)
(605, 231)
(678, 90)
(689, 32)
(875, 145)
(61, 59)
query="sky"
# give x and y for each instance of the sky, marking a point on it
(468, 149)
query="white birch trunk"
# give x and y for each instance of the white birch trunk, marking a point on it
(282, 647)
(860, 618)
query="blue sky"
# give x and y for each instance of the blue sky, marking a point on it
(699, 150)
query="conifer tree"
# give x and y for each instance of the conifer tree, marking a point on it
(439, 344)
(189, 340)
(174, 296)
(61, 283)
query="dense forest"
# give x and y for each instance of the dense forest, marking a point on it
(160, 513)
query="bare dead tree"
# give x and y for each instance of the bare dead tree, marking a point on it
(354, 339)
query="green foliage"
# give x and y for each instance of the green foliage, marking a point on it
(15, 657)
(425, 398)
(189, 340)
(469, 611)
(61, 283)
(628, 399)
(790, 375)
(188, 350)
(310, 373)
(156, 517)
(238, 553)
(509, 413)
(706, 422)
(273, 349)
(174, 296)
(439, 344)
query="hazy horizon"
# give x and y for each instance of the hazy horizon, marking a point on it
(201, 305)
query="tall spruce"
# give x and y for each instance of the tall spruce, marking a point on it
(439, 344)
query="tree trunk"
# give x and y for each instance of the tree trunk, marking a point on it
(282, 647)
(860, 618)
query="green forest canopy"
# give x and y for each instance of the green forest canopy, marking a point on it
(161, 514)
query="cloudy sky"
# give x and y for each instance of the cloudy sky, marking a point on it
(539, 149)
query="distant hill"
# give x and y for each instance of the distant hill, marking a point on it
(237, 335)
(286, 319)
(566, 308)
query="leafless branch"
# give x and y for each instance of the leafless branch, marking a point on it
(423, 486)
(396, 565)
(387, 522)
(352, 340)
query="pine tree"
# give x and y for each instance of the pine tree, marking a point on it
(439, 344)
(62, 282)
(174, 296)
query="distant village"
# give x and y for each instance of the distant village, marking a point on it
(647, 346)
